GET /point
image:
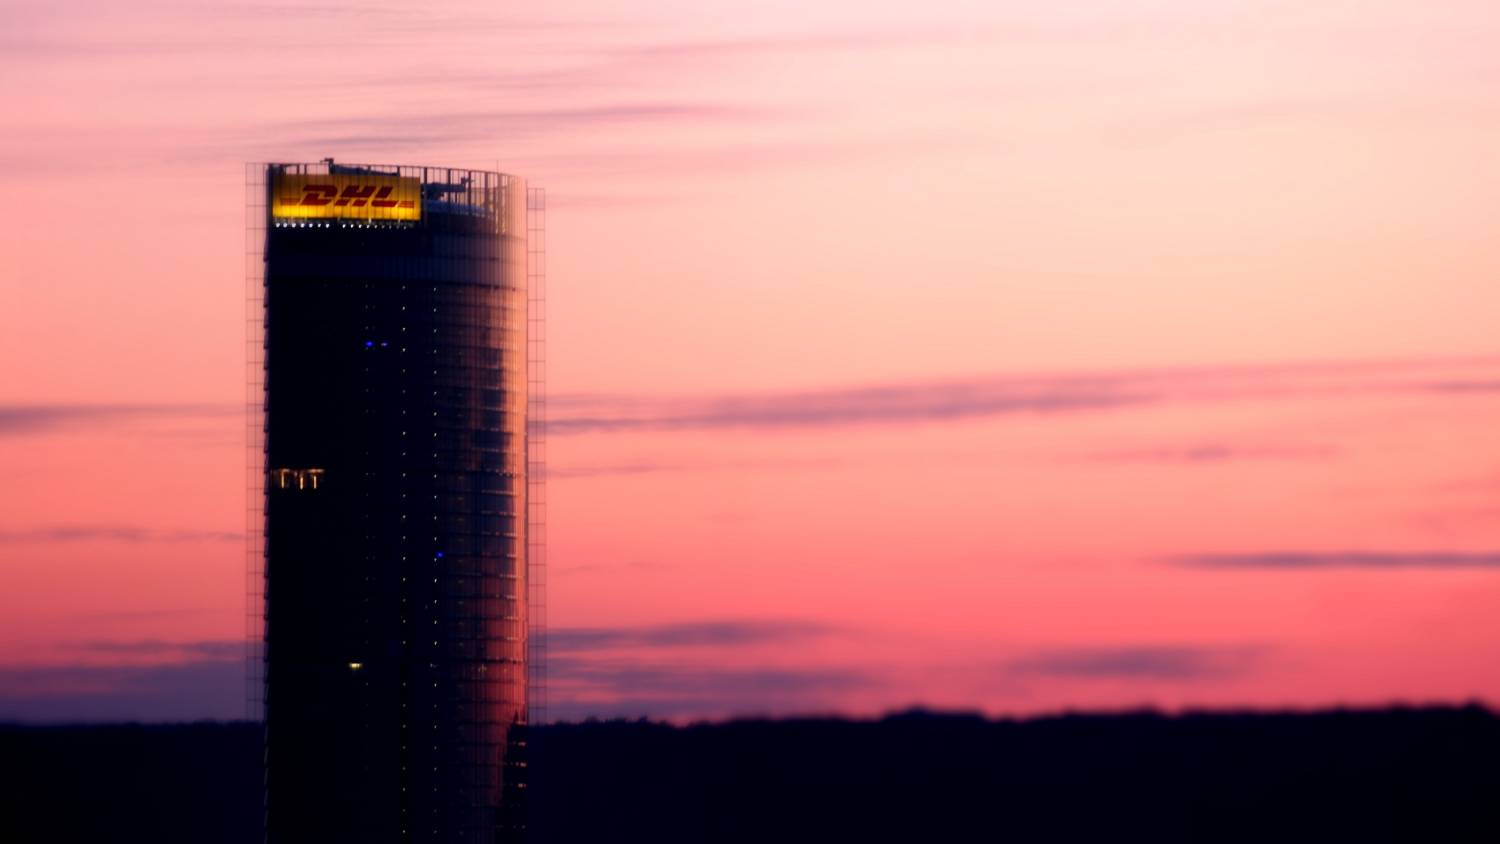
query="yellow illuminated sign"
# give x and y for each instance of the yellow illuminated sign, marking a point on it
(346, 196)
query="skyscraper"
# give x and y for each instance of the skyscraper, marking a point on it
(396, 498)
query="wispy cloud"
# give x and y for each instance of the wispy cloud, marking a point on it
(958, 400)
(633, 671)
(913, 403)
(601, 165)
(636, 565)
(180, 651)
(93, 28)
(19, 419)
(114, 533)
(819, 43)
(121, 680)
(1152, 662)
(1213, 453)
(418, 129)
(1303, 560)
(177, 691)
(623, 688)
(1462, 386)
(710, 633)
(149, 614)
(653, 467)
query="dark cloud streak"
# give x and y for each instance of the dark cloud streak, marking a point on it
(20, 419)
(210, 650)
(691, 634)
(1155, 662)
(420, 130)
(1213, 453)
(1313, 560)
(178, 691)
(628, 688)
(1462, 386)
(651, 467)
(949, 400)
(114, 533)
(588, 680)
(818, 43)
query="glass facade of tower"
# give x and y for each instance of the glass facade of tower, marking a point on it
(394, 485)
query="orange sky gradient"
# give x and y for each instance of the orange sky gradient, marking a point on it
(1013, 356)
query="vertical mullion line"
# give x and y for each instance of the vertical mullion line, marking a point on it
(256, 198)
(536, 454)
(255, 435)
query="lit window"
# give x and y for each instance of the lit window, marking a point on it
(301, 479)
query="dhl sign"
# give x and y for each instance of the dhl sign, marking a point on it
(347, 196)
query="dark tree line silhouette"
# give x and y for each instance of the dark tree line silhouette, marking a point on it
(1420, 775)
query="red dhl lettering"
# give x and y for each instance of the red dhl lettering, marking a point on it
(353, 196)
(348, 196)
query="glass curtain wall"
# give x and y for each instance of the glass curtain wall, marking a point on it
(393, 486)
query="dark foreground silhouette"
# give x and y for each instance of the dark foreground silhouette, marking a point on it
(1420, 775)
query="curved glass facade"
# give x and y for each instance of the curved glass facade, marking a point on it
(395, 473)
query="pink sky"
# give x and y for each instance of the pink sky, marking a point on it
(1011, 356)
